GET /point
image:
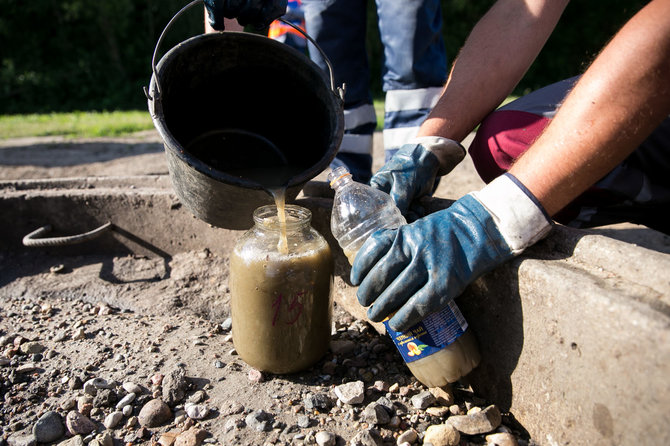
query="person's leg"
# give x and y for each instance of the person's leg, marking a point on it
(638, 190)
(338, 27)
(415, 66)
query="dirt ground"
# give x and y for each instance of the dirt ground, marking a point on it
(80, 334)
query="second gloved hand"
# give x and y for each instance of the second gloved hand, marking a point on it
(417, 269)
(258, 13)
(412, 171)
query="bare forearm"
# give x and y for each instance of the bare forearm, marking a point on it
(494, 58)
(617, 103)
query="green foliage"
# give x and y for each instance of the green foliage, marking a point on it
(63, 55)
(82, 54)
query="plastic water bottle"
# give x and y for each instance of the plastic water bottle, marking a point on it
(438, 350)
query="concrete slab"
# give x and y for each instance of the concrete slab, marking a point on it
(575, 334)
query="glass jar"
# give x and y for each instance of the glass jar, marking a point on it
(281, 278)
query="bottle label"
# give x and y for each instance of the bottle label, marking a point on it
(431, 335)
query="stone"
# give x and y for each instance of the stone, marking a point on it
(304, 421)
(318, 401)
(129, 398)
(438, 411)
(197, 397)
(376, 414)
(409, 436)
(28, 348)
(77, 440)
(113, 419)
(154, 413)
(259, 420)
(324, 438)
(342, 347)
(196, 411)
(49, 427)
(442, 435)
(78, 424)
(105, 398)
(351, 392)
(191, 437)
(131, 387)
(501, 439)
(444, 396)
(21, 439)
(480, 422)
(368, 437)
(423, 400)
(168, 438)
(175, 385)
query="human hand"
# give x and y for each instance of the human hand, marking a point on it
(417, 269)
(259, 13)
(412, 171)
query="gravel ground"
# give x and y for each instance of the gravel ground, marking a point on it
(133, 350)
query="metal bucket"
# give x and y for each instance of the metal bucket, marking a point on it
(234, 111)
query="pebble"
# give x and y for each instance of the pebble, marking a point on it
(438, 411)
(191, 437)
(304, 421)
(409, 436)
(501, 439)
(127, 410)
(49, 427)
(255, 376)
(442, 435)
(21, 440)
(227, 324)
(29, 348)
(375, 414)
(154, 413)
(79, 334)
(351, 392)
(318, 401)
(342, 347)
(113, 419)
(423, 400)
(175, 385)
(324, 438)
(196, 411)
(368, 437)
(77, 440)
(197, 397)
(126, 400)
(78, 424)
(131, 387)
(259, 420)
(480, 422)
(444, 396)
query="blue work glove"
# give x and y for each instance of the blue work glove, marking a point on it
(412, 171)
(419, 268)
(258, 13)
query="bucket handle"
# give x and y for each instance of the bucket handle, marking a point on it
(339, 91)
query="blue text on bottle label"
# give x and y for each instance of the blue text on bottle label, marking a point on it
(431, 335)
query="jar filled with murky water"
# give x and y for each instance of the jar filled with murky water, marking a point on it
(281, 276)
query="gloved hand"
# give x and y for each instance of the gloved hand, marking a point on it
(259, 13)
(412, 171)
(417, 269)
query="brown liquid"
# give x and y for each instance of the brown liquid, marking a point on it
(280, 201)
(281, 308)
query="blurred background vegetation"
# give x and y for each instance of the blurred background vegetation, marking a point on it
(92, 55)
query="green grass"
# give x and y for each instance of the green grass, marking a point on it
(75, 124)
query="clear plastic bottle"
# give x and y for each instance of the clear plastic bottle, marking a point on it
(438, 350)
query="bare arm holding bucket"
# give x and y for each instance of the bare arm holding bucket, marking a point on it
(618, 102)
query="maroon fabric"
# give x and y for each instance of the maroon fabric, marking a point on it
(502, 137)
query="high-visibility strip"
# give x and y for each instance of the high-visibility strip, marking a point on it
(356, 117)
(395, 138)
(361, 144)
(417, 99)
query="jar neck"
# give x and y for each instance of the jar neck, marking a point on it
(297, 218)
